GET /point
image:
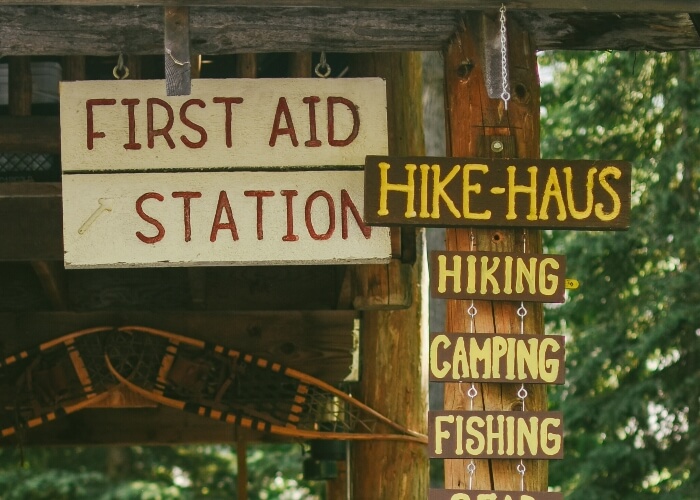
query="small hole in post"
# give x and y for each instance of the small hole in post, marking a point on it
(520, 92)
(497, 237)
(464, 69)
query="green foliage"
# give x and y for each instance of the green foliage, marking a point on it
(153, 473)
(631, 399)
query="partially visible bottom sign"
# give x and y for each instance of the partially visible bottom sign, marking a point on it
(492, 495)
(218, 218)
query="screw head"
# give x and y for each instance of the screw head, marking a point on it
(496, 146)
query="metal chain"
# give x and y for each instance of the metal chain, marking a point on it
(323, 69)
(120, 71)
(505, 95)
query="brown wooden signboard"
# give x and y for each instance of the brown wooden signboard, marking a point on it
(548, 194)
(490, 357)
(497, 276)
(495, 434)
(492, 495)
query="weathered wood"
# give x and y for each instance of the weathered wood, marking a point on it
(30, 134)
(244, 124)
(489, 357)
(497, 276)
(442, 192)
(20, 86)
(300, 64)
(386, 286)
(178, 68)
(30, 221)
(392, 342)
(73, 68)
(183, 219)
(53, 281)
(496, 434)
(470, 115)
(553, 5)
(246, 66)
(79, 30)
(316, 343)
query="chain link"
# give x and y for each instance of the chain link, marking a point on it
(505, 95)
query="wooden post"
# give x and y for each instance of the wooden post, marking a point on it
(475, 126)
(394, 376)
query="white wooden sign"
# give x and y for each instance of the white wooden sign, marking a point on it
(218, 218)
(225, 124)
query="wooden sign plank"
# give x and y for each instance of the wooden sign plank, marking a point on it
(435, 494)
(497, 276)
(495, 434)
(218, 218)
(224, 124)
(551, 194)
(491, 357)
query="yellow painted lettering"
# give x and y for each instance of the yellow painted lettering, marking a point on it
(441, 434)
(477, 353)
(439, 192)
(527, 435)
(508, 274)
(548, 282)
(510, 427)
(528, 273)
(548, 367)
(550, 442)
(409, 188)
(552, 190)
(500, 348)
(424, 172)
(579, 214)
(487, 275)
(468, 188)
(434, 347)
(495, 431)
(615, 173)
(459, 440)
(510, 358)
(444, 273)
(514, 189)
(460, 359)
(471, 273)
(527, 355)
(475, 444)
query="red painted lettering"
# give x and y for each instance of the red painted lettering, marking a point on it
(331, 215)
(259, 195)
(332, 101)
(131, 107)
(189, 123)
(186, 197)
(149, 219)
(223, 205)
(345, 205)
(313, 142)
(283, 109)
(228, 102)
(91, 134)
(290, 194)
(163, 131)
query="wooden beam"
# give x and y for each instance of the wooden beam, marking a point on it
(318, 343)
(79, 30)
(472, 120)
(393, 342)
(30, 134)
(552, 5)
(52, 277)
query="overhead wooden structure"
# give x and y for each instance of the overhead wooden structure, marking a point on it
(105, 27)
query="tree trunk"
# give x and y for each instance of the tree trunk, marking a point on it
(393, 343)
(474, 122)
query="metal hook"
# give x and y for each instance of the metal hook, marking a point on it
(323, 69)
(120, 68)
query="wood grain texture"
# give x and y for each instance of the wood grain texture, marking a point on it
(394, 379)
(178, 68)
(30, 134)
(561, 5)
(19, 86)
(106, 30)
(492, 495)
(470, 115)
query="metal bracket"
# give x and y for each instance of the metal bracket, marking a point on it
(354, 375)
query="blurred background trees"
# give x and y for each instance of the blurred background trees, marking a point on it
(633, 384)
